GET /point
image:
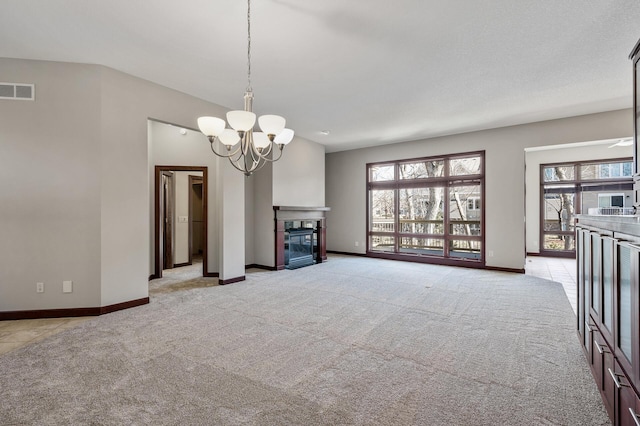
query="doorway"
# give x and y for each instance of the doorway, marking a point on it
(196, 217)
(169, 191)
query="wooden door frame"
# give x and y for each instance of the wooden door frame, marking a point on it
(193, 180)
(167, 211)
(157, 224)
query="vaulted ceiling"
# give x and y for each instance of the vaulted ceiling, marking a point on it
(370, 72)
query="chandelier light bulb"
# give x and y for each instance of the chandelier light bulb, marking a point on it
(271, 124)
(229, 137)
(284, 137)
(211, 126)
(241, 120)
(260, 140)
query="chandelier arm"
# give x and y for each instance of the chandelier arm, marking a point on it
(273, 160)
(234, 163)
(229, 155)
(266, 151)
(255, 155)
(247, 142)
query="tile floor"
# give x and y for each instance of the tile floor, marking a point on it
(15, 334)
(556, 269)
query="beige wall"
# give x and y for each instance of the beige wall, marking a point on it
(50, 200)
(80, 210)
(297, 179)
(505, 177)
(167, 147)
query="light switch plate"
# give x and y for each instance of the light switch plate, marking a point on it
(67, 286)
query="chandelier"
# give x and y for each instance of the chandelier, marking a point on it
(246, 149)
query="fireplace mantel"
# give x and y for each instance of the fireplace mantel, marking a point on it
(284, 214)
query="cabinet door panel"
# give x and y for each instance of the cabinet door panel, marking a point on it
(595, 275)
(580, 282)
(624, 315)
(602, 363)
(626, 400)
(608, 246)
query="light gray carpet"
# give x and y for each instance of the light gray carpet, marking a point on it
(350, 341)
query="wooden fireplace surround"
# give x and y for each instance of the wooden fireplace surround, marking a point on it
(284, 214)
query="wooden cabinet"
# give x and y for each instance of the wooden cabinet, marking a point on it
(627, 403)
(608, 262)
(608, 274)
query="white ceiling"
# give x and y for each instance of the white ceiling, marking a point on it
(370, 71)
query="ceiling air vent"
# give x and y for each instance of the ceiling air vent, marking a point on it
(17, 91)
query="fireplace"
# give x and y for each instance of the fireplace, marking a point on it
(300, 236)
(298, 247)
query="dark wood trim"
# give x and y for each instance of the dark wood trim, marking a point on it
(152, 277)
(302, 209)
(279, 244)
(560, 254)
(446, 182)
(232, 280)
(123, 305)
(211, 275)
(321, 231)
(193, 180)
(501, 269)
(180, 265)
(577, 184)
(283, 214)
(436, 260)
(266, 268)
(346, 253)
(205, 199)
(71, 312)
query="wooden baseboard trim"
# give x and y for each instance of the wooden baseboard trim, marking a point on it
(180, 265)
(152, 277)
(232, 280)
(433, 261)
(71, 312)
(499, 269)
(124, 305)
(266, 268)
(345, 253)
(533, 254)
(212, 274)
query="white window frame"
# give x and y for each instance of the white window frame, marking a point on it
(609, 195)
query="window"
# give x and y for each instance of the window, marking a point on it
(610, 200)
(427, 208)
(579, 188)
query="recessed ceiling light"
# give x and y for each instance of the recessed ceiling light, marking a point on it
(325, 132)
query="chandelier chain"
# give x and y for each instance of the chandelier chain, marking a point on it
(248, 45)
(246, 150)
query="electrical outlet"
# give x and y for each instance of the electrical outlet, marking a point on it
(39, 287)
(67, 286)
(357, 244)
(490, 253)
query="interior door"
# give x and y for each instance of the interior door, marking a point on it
(167, 220)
